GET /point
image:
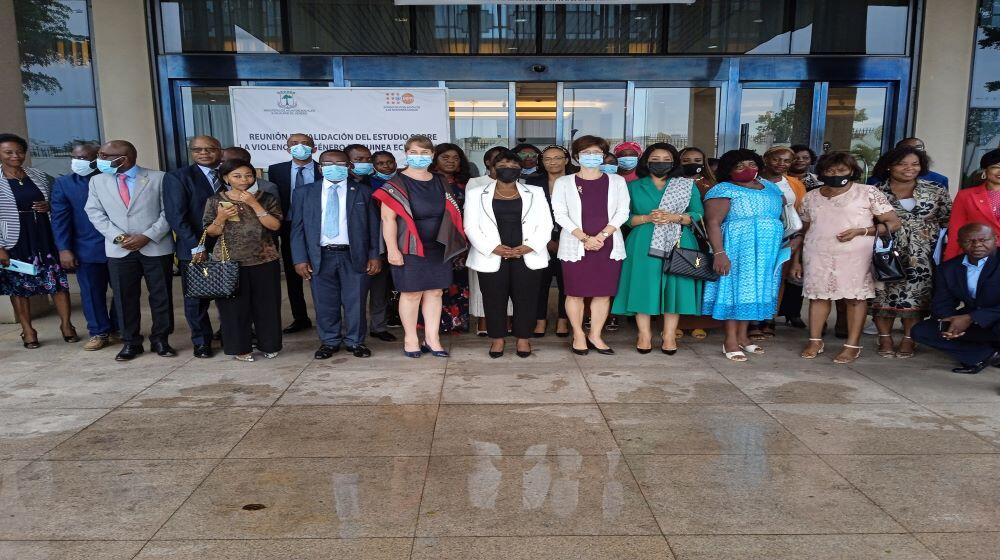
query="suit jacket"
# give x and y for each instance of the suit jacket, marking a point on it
(145, 214)
(10, 222)
(184, 204)
(281, 174)
(951, 291)
(362, 225)
(70, 225)
(971, 205)
(483, 232)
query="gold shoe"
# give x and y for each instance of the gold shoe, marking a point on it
(96, 343)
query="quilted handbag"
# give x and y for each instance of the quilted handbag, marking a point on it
(692, 263)
(887, 265)
(212, 279)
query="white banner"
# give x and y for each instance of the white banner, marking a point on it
(380, 118)
(513, 2)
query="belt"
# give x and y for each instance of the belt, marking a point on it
(336, 247)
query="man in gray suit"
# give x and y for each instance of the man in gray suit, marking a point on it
(125, 204)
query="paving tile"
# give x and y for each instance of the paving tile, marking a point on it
(297, 549)
(515, 385)
(787, 547)
(962, 546)
(69, 550)
(532, 496)
(982, 419)
(366, 386)
(80, 388)
(100, 500)
(220, 382)
(29, 433)
(875, 428)
(802, 382)
(753, 494)
(533, 548)
(925, 384)
(160, 433)
(929, 493)
(667, 429)
(543, 429)
(631, 384)
(303, 498)
(340, 431)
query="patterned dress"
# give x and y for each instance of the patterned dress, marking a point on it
(915, 240)
(455, 300)
(35, 245)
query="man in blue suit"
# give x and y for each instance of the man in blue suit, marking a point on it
(966, 303)
(335, 245)
(81, 246)
(184, 202)
(289, 176)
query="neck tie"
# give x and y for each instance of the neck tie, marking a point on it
(300, 179)
(216, 183)
(123, 189)
(331, 214)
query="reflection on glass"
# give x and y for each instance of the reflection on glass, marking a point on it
(775, 117)
(728, 26)
(206, 111)
(596, 111)
(536, 114)
(478, 120)
(52, 131)
(489, 29)
(505, 30)
(349, 26)
(602, 29)
(860, 26)
(680, 116)
(65, 75)
(983, 131)
(225, 25)
(854, 123)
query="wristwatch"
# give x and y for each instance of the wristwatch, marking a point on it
(118, 240)
(604, 234)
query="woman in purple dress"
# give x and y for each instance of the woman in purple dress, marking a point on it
(590, 206)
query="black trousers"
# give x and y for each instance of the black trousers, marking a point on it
(127, 274)
(257, 306)
(791, 301)
(976, 345)
(554, 269)
(293, 282)
(379, 290)
(520, 284)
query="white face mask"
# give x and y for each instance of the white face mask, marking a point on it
(82, 167)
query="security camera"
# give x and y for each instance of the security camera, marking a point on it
(539, 68)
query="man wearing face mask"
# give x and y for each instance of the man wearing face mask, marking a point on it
(362, 167)
(125, 205)
(290, 175)
(81, 246)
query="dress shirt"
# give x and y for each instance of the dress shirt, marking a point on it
(308, 172)
(208, 174)
(130, 179)
(342, 237)
(972, 272)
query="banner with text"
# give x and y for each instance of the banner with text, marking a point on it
(380, 118)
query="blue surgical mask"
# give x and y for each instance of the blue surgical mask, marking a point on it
(81, 167)
(591, 161)
(384, 176)
(608, 168)
(108, 166)
(529, 170)
(418, 161)
(334, 173)
(363, 169)
(628, 162)
(301, 152)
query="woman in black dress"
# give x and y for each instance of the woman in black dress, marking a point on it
(26, 236)
(422, 228)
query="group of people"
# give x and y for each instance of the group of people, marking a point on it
(607, 223)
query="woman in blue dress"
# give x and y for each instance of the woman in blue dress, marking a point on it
(743, 219)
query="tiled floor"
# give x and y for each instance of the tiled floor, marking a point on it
(633, 456)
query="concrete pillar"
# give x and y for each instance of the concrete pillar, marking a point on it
(12, 117)
(124, 76)
(942, 101)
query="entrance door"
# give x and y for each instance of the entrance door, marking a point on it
(775, 116)
(855, 122)
(596, 108)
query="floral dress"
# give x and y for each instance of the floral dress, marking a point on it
(455, 300)
(35, 245)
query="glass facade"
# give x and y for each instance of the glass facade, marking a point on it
(680, 116)
(775, 117)
(983, 130)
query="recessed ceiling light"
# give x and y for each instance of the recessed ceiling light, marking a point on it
(640, 18)
(402, 20)
(520, 20)
(713, 46)
(758, 21)
(315, 47)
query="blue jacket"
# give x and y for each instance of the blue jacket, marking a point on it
(281, 174)
(362, 225)
(70, 225)
(952, 297)
(185, 192)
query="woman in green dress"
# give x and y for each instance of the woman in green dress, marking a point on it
(664, 204)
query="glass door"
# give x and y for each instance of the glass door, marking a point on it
(593, 108)
(479, 116)
(682, 116)
(855, 122)
(536, 113)
(775, 116)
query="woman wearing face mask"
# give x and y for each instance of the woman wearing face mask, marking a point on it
(591, 207)
(475, 293)
(422, 229)
(384, 166)
(627, 155)
(26, 236)
(694, 166)
(743, 219)
(660, 199)
(834, 261)
(923, 208)
(450, 161)
(246, 221)
(508, 225)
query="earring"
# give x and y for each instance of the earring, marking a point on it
(984, 175)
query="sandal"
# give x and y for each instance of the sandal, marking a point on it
(904, 355)
(850, 359)
(767, 329)
(72, 337)
(699, 334)
(30, 344)
(737, 356)
(678, 334)
(890, 353)
(811, 355)
(755, 333)
(752, 348)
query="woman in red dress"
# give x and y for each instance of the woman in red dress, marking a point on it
(976, 204)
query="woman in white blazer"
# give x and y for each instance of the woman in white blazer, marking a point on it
(590, 206)
(508, 226)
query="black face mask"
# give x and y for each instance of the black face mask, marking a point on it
(835, 181)
(692, 169)
(508, 174)
(660, 168)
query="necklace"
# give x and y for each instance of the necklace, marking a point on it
(502, 197)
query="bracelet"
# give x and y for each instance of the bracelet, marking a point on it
(262, 213)
(718, 252)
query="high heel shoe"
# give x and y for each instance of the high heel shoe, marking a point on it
(71, 338)
(668, 352)
(817, 352)
(524, 353)
(891, 352)
(495, 354)
(602, 351)
(848, 359)
(579, 352)
(436, 353)
(30, 344)
(643, 350)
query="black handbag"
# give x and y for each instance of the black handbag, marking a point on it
(887, 265)
(212, 279)
(692, 263)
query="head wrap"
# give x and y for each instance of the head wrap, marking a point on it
(991, 157)
(628, 146)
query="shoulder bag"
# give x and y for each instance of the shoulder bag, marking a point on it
(692, 263)
(212, 279)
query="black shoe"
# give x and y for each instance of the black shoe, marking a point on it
(217, 335)
(128, 352)
(643, 350)
(973, 369)
(426, 349)
(203, 351)
(297, 326)
(601, 351)
(523, 353)
(360, 351)
(795, 322)
(325, 352)
(162, 349)
(496, 355)
(384, 336)
(583, 352)
(668, 352)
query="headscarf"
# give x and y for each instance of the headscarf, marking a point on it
(630, 175)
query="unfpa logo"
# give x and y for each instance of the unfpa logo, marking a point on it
(286, 100)
(399, 98)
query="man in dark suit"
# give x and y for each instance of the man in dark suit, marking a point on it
(185, 209)
(81, 246)
(335, 245)
(966, 304)
(290, 175)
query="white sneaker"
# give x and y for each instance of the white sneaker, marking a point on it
(270, 355)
